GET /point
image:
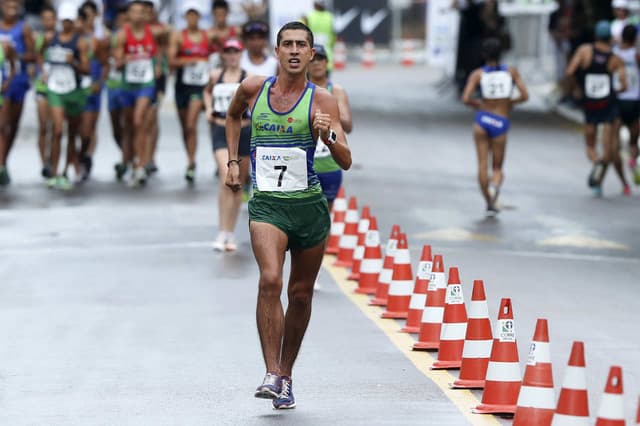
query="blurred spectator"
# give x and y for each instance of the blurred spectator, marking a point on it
(32, 10)
(111, 8)
(320, 22)
(242, 11)
(256, 59)
(622, 17)
(479, 19)
(559, 30)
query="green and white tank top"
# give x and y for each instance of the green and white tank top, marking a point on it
(282, 147)
(323, 161)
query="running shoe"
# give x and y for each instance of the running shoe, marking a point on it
(230, 244)
(51, 182)
(636, 175)
(190, 176)
(597, 191)
(46, 172)
(285, 401)
(140, 176)
(626, 190)
(4, 176)
(63, 183)
(595, 176)
(270, 387)
(87, 165)
(220, 242)
(492, 211)
(121, 170)
(151, 168)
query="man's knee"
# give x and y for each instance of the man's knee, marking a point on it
(301, 296)
(270, 283)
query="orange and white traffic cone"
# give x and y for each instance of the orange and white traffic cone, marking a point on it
(611, 412)
(454, 325)
(339, 55)
(502, 383)
(419, 296)
(537, 400)
(349, 238)
(358, 254)
(477, 343)
(371, 265)
(338, 215)
(431, 323)
(401, 282)
(573, 403)
(407, 53)
(384, 279)
(368, 54)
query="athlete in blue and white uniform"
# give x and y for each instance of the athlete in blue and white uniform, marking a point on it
(15, 32)
(491, 124)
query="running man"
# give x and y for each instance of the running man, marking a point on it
(288, 210)
(98, 38)
(8, 59)
(496, 82)
(329, 172)
(218, 93)
(629, 100)
(137, 53)
(67, 54)
(220, 32)
(189, 55)
(48, 18)
(115, 95)
(18, 34)
(595, 64)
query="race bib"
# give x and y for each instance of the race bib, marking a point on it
(281, 169)
(62, 79)
(196, 74)
(496, 85)
(597, 86)
(633, 80)
(322, 150)
(114, 73)
(58, 54)
(85, 82)
(139, 71)
(222, 95)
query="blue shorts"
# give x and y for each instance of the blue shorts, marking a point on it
(131, 95)
(93, 102)
(330, 183)
(114, 98)
(18, 89)
(494, 125)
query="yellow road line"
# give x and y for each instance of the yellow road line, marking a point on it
(464, 400)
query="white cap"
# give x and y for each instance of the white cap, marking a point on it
(620, 4)
(68, 11)
(192, 5)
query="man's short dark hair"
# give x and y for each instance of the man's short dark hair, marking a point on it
(220, 4)
(91, 5)
(295, 25)
(255, 27)
(629, 34)
(48, 8)
(491, 49)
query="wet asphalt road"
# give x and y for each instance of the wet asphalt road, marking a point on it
(114, 310)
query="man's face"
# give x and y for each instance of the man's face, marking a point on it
(137, 14)
(220, 15)
(192, 18)
(48, 20)
(256, 43)
(620, 13)
(294, 51)
(10, 8)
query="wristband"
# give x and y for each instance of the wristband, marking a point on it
(332, 139)
(233, 161)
